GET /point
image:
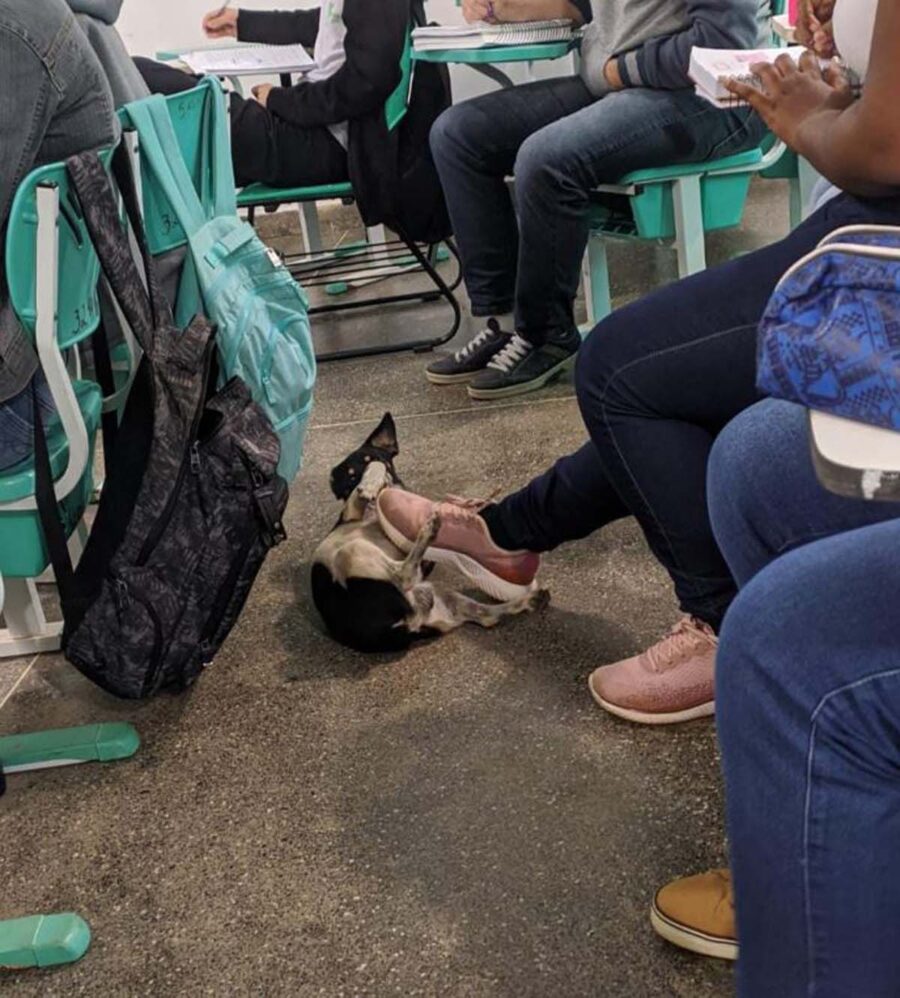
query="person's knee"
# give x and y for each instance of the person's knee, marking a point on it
(448, 133)
(600, 364)
(540, 163)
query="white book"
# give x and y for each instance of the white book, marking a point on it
(249, 60)
(484, 35)
(709, 68)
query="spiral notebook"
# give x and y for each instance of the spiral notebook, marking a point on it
(249, 60)
(483, 35)
(709, 67)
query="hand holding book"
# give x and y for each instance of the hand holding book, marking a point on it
(789, 93)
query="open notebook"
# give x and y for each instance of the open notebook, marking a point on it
(483, 35)
(709, 67)
(249, 60)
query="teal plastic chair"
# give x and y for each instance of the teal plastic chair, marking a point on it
(368, 262)
(53, 273)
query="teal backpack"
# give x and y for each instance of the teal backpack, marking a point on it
(232, 278)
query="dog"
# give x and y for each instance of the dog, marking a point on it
(372, 596)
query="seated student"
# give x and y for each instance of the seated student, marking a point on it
(54, 102)
(631, 107)
(809, 685)
(97, 19)
(330, 127)
(657, 381)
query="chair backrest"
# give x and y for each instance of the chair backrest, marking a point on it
(78, 306)
(190, 116)
(398, 103)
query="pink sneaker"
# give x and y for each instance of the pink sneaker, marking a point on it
(463, 542)
(672, 681)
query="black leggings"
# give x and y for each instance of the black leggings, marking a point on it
(656, 382)
(264, 147)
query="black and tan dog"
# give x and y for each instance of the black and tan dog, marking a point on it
(373, 596)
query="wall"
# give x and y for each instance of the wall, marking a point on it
(150, 25)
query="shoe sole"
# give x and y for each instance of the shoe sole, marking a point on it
(477, 574)
(691, 939)
(486, 394)
(449, 379)
(707, 709)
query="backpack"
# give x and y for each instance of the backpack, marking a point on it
(243, 287)
(191, 504)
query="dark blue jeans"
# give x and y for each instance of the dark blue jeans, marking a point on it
(657, 381)
(17, 422)
(808, 712)
(560, 142)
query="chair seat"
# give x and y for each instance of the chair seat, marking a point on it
(742, 159)
(257, 195)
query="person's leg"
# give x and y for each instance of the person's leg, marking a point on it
(555, 171)
(17, 422)
(164, 79)
(474, 144)
(559, 166)
(764, 497)
(271, 151)
(809, 723)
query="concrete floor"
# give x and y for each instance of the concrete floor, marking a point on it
(460, 820)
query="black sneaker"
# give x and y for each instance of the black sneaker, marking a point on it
(470, 359)
(522, 367)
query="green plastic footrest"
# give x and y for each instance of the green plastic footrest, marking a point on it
(43, 940)
(66, 746)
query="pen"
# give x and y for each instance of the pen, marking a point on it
(222, 9)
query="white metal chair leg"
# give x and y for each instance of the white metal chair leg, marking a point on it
(27, 631)
(690, 239)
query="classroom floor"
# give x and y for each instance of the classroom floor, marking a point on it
(458, 821)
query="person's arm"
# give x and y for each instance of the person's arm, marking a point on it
(276, 27)
(853, 143)
(662, 63)
(501, 11)
(21, 72)
(376, 35)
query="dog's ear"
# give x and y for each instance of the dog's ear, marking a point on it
(385, 437)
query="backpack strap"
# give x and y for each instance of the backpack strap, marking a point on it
(110, 241)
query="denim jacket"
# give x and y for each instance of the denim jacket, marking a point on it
(54, 102)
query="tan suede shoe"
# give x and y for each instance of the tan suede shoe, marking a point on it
(697, 913)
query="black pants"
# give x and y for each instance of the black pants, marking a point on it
(264, 147)
(657, 381)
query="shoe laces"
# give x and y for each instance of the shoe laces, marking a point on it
(477, 341)
(512, 354)
(463, 510)
(680, 643)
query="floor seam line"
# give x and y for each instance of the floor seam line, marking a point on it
(444, 412)
(18, 682)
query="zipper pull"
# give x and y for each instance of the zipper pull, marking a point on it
(195, 458)
(123, 597)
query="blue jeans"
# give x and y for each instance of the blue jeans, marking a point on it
(17, 423)
(560, 142)
(656, 382)
(808, 708)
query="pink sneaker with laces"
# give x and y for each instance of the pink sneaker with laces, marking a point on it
(672, 681)
(463, 542)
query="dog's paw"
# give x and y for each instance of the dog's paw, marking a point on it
(538, 600)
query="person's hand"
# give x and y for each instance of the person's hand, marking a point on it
(791, 93)
(612, 75)
(477, 10)
(261, 92)
(814, 27)
(222, 24)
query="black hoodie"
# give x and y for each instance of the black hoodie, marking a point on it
(392, 172)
